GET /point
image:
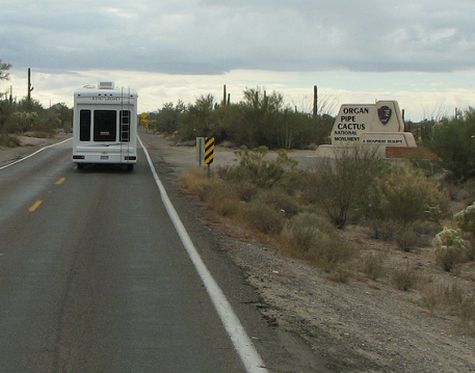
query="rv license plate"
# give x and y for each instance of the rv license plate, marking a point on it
(104, 157)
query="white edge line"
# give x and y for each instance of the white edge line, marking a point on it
(241, 341)
(33, 154)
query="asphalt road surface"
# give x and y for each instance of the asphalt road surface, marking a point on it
(94, 278)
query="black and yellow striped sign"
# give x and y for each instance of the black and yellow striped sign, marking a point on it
(209, 150)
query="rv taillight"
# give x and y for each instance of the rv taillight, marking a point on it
(130, 158)
(78, 157)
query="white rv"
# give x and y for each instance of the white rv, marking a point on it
(105, 125)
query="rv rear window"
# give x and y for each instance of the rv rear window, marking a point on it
(105, 125)
(85, 125)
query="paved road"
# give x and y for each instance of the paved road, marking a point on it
(93, 277)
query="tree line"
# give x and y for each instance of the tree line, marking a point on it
(258, 119)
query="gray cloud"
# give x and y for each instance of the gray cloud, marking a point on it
(213, 37)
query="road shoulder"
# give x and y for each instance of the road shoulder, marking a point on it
(358, 326)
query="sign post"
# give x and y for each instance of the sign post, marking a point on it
(200, 150)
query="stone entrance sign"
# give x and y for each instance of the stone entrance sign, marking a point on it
(378, 124)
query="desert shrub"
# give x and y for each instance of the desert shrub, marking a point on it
(330, 250)
(9, 141)
(404, 278)
(280, 200)
(255, 167)
(310, 237)
(450, 248)
(25, 120)
(406, 195)
(264, 218)
(418, 233)
(338, 185)
(245, 190)
(372, 265)
(453, 141)
(301, 232)
(407, 238)
(221, 198)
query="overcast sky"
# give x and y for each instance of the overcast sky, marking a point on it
(421, 53)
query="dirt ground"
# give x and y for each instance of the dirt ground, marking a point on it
(358, 326)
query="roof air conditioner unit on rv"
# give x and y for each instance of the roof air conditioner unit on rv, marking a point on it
(106, 85)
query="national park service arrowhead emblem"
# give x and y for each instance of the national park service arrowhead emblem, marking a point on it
(384, 114)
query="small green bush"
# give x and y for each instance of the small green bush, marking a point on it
(339, 185)
(406, 195)
(264, 218)
(9, 141)
(310, 237)
(279, 199)
(256, 167)
(301, 233)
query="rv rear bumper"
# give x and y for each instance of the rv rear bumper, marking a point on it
(104, 158)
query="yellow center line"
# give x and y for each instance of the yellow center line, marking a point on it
(60, 181)
(35, 205)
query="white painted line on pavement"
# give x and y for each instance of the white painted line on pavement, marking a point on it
(241, 341)
(32, 154)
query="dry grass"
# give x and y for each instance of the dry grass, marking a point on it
(340, 275)
(452, 298)
(194, 181)
(372, 265)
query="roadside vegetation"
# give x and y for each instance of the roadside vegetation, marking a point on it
(416, 215)
(27, 117)
(327, 216)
